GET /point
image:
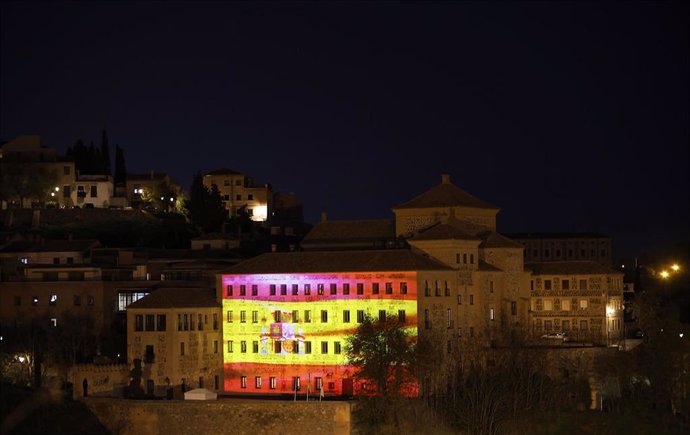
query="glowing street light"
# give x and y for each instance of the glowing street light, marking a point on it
(675, 267)
(664, 274)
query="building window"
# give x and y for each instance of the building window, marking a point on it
(243, 382)
(382, 315)
(238, 182)
(255, 316)
(360, 316)
(182, 348)
(149, 355)
(437, 291)
(215, 346)
(255, 346)
(491, 286)
(457, 258)
(77, 300)
(243, 316)
(319, 289)
(257, 382)
(272, 383)
(307, 347)
(307, 289)
(427, 292)
(336, 347)
(346, 316)
(139, 322)
(346, 289)
(547, 284)
(238, 197)
(459, 299)
(583, 304)
(375, 288)
(324, 347)
(230, 316)
(565, 284)
(403, 288)
(243, 290)
(464, 258)
(334, 289)
(150, 322)
(215, 322)
(583, 284)
(94, 191)
(277, 316)
(513, 308)
(471, 258)
(243, 346)
(389, 288)
(230, 346)
(250, 197)
(255, 290)
(546, 253)
(401, 316)
(307, 316)
(278, 347)
(295, 316)
(296, 383)
(471, 299)
(360, 288)
(295, 289)
(449, 318)
(448, 347)
(228, 290)
(283, 289)
(272, 289)
(324, 316)
(491, 314)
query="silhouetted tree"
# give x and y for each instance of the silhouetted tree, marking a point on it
(105, 153)
(205, 206)
(120, 167)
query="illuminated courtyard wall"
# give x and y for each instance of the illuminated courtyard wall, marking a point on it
(283, 331)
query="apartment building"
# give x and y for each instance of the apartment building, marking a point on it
(238, 190)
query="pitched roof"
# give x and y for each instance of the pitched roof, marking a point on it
(223, 171)
(178, 298)
(493, 239)
(336, 261)
(445, 194)
(557, 236)
(51, 246)
(444, 231)
(350, 231)
(569, 268)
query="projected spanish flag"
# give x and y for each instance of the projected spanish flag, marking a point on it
(286, 333)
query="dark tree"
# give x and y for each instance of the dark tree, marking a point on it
(205, 207)
(120, 168)
(105, 154)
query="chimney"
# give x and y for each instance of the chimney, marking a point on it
(324, 216)
(445, 179)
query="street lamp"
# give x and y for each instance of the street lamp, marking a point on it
(664, 274)
(675, 267)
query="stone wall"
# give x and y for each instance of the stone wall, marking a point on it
(223, 416)
(101, 379)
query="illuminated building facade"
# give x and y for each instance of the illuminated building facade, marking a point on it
(583, 299)
(237, 190)
(286, 316)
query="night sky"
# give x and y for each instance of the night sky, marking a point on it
(568, 116)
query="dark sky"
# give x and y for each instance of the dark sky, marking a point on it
(569, 116)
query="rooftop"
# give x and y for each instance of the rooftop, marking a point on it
(351, 231)
(336, 261)
(178, 298)
(569, 268)
(557, 236)
(445, 194)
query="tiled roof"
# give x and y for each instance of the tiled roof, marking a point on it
(51, 246)
(557, 236)
(351, 231)
(445, 194)
(484, 266)
(568, 268)
(495, 240)
(336, 261)
(443, 231)
(178, 298)
(223, 171)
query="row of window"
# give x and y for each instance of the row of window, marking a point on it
(583, 253)
(216, 347)
(563, 304)
(188, 322)
(53, 300)
(464, 258)
(238, 197)
(296, 383)
(288, 346)
(294, 316)
(273, 289)
(567, 325)
(565, 284)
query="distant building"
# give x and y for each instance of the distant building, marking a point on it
(176, 333)
(151, 187)
(209, 241)
(540, 247)
(237, 190)
(27, 155)
(347, 235)
(583, 299)
(92, 191)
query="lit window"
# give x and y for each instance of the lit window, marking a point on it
(243, 382)
(230, 316)
(449, 318)
(243, 346)
(272, 382)
(491, 313)
(230, 346)
(255, 317)
(257, 382)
